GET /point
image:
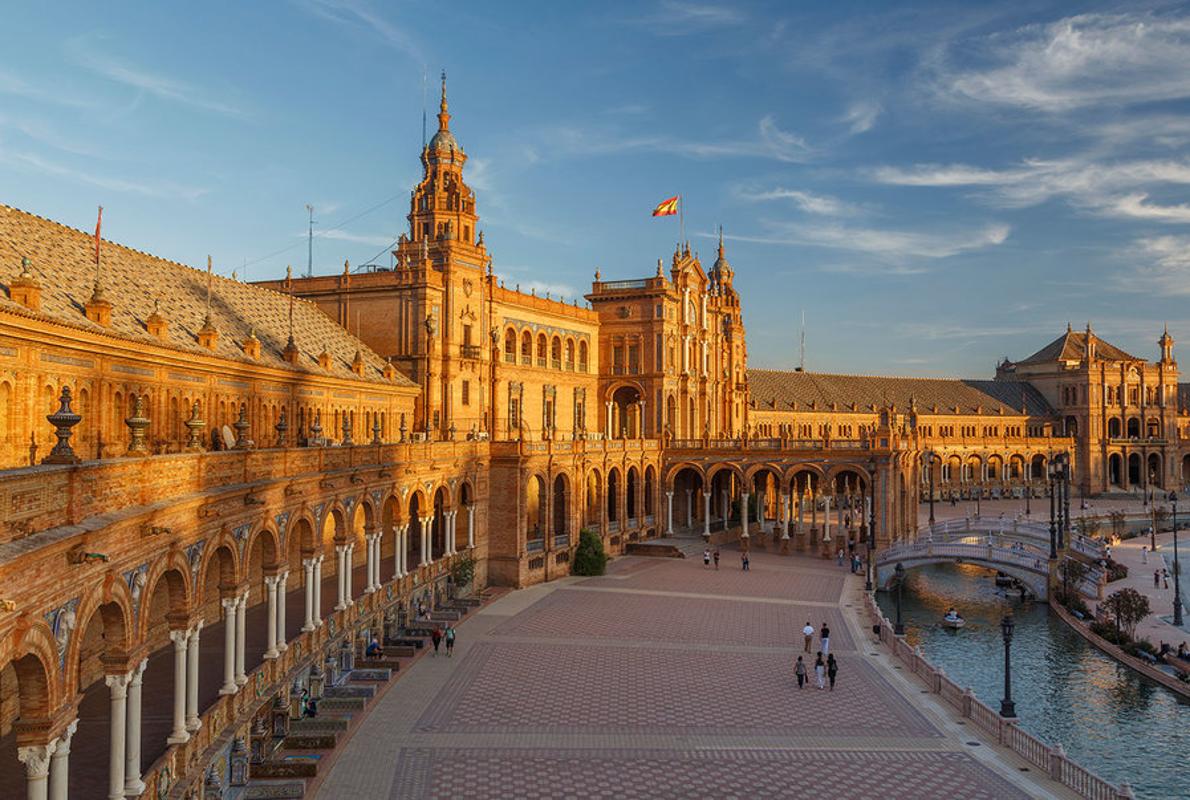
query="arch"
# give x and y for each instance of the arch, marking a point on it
(1152, 428)
(688, 486)
(556, 352)
(218, 574)
(650, 490)
(613, 496)
(1153, 473)
(536, 504)
(583, 360)
(814, 476)
(632, 489)
(166, 594)
(1114, 428)
(672, 473)
(1070, 425)
(334, 526)
(1115, 470)
(510, 345)
(33, 665)
(267, 541)
(754, 470)
(103, 626)
(569, 352)
(1134, 469)
(561, 526)
(465, 504)
(1133, 428)
(1037, 467)
(438, 523)
(627, 422)
(594, 498)
(732, 469)
(526, 348)
(542, 349)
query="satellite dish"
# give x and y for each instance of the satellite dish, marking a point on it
(229, 438)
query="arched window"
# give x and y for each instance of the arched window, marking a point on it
(526, 348)
(510, 346)
(556, 353)
(582, 356)
(542, 347)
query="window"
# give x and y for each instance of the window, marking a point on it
(466, 393)
(514, 414)
(660, 355)
(467, 335)
(633, 359)
(618, 360)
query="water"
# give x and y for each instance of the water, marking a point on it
(1108, 718)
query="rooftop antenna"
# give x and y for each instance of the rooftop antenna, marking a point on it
(801, 367)
(423, 107)
(310, 247)
(289, 280)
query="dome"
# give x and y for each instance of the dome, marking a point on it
(444, 140)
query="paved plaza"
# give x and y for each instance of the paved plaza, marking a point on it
(667, 679)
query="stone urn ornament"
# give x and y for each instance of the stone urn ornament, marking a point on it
(196, 424)
(63, 420)
(138, 427)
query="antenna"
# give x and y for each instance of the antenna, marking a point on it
(802, 359)
(310, 249)
(423, 107)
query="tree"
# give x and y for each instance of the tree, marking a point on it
(462, 570)
(1127, 607)
(1118, 523)
(1160, 517)
(1073, 572)
(589, 556)
(1090, 526)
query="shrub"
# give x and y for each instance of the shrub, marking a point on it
(589, 556)
(1074, 603)
(1116, 571)
(462, 571)
(1145, 645)
(1107, 630)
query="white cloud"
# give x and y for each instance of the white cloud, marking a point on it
(374, 240)
(145, 81)
(1167, 270)
(36, 163)
(860, 117)
(805, 201)
(356, 14)
(677, 18)
(771, 142)
(1079, 61)
(556, 291)
(1134, 205)
(892, 245)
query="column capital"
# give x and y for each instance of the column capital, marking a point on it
(36, 759)
(341, 548)
(243, 599)
(309, 563)
(180, 637)
(669, 493)
(271, 581)
(138, 672)
(230, 603)
(118, 683)
(196, 627)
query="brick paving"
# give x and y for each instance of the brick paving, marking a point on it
(662, 681)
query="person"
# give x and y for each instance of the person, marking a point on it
(1144, 554)
(799, 669)
(715, 556)
(826, 639)
(832, 669)
(374, 649)
(436, 637)
(1182, 652)
(450, 640)
(808, 635)
(839, 557)
(952, 614)
(744, 560)
(1156, 579)
(706, 557)
(1165, 577)
(820, 672)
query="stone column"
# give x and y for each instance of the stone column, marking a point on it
(690, 506)
(454, 531)
(133, 785)
(706, 516)
(229, 645)
(669, 513)
(193, 723)
(270, 585)
(118, 714)
(370, 560)
(348, 569)
(744, 514)
(784, 515)
(181, 640)
(340, 577)
(241, 635)
(609, 419)
(398, 551)
(36, 759)
(427, 545)
(826, 519)
(318, 591)
(308, 566)
(283, 594)
(60, 764)
(471, 525)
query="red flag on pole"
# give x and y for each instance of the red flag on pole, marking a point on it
(98, 225)
(666, 208)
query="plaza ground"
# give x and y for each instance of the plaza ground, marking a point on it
(666, 679)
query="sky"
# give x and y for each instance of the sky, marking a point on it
(935, 185)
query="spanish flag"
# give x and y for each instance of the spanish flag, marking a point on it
(667, 208)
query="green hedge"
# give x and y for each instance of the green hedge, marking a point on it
(589, 556)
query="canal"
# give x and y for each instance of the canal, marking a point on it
(1107, 717)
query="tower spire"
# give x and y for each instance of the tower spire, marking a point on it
(443, 116)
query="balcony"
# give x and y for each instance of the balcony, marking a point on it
(469, 351)
(570, 366)
(526, 361)
(541, 361)
(510, 358)
(535, 545)
(556, 363)
(562, 541)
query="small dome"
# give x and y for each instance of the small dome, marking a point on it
(444, 140)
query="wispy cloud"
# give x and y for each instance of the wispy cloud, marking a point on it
(1076, 62)
(808, 202)
(164, 189)
(360, 15)
(896, 246)
(677, 18)
(860, 117)
(1165, 267)
(12, 84)
(83, 53)
(770, 141)
(374, 240)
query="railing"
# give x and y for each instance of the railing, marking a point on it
(541, 361)
(613, 525)
(1052, 760)
(561, 540)
(556, 363)
(614, 285)
(469, 350)
(633, 523)
(570, 366)
(1013, 529)
(535, 545)
(526, 361)
(510, 358)
(650, 519)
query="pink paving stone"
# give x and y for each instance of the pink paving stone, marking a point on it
(579, 614)
(530, 687)
(720, 774)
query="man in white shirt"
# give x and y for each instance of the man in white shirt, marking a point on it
(808, 633)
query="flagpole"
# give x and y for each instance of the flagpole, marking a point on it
(682, 221)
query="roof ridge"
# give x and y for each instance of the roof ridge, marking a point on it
(886, 377)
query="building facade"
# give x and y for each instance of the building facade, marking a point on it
(195, 467)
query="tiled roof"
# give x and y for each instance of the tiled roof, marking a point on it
(1072, 346)
(63, 263)
(804, 388)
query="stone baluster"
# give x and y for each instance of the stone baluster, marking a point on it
(229, 645)
(181, 639)
(193, 721)
(133, 785)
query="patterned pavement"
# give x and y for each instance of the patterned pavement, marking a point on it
(664, 680)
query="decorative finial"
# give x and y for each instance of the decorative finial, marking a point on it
(443, 117)
(288, 272)
(346, 266)
(25, 273)
(1069, 327)
(235, 276)
(720, 241)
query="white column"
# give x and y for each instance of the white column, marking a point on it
(609, 419)
(181, 640)
(118, 717)
(399, 552)
(348, 569)
(60, 764)
(744, 514)
(669, 513)
(471, 525)
(270, 585)
(689, 505)
(308, 566)
(454, 529)
(193, 722)
(340, 577)
(427, 546)
(229, 645)
(283, 595)
(784, 515)
(241, 635)
(36, 759)
(133, 785)
(318, 591)
(370, 560)
(706, 516)
(826, 520)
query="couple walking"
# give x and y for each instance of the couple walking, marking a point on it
(707, 556)
(438, 636)
(823, 671)
(808, 636)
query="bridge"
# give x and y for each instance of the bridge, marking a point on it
(1017, 548)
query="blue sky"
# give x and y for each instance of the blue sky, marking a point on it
(936, 185)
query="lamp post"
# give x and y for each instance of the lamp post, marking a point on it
(1029, 491)
(1177, 583)
(1007, 707)
(1067, 473)
(1051, 472)
(930, 468)
(899, 628)
(869, 576)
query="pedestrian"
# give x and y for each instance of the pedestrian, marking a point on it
(808, 635)
(374, 649)
(744, 560)
(706, 557)
(1144, 554)
(832, 669)
(799, 669)
(715, 556)
(436, 637)
(839, 557)
(1165, 577)
(820, 672)
(450, 640)
(1156, 579)
(826, 639)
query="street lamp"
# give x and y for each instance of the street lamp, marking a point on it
(1177, 583)
(868, 576)
(1052, 472)
(899, 578)
(1007, 707)
(930, 469)
(1029, 490)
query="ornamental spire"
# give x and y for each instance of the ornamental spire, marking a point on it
(443, 117)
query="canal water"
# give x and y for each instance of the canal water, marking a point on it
(1109, 719)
